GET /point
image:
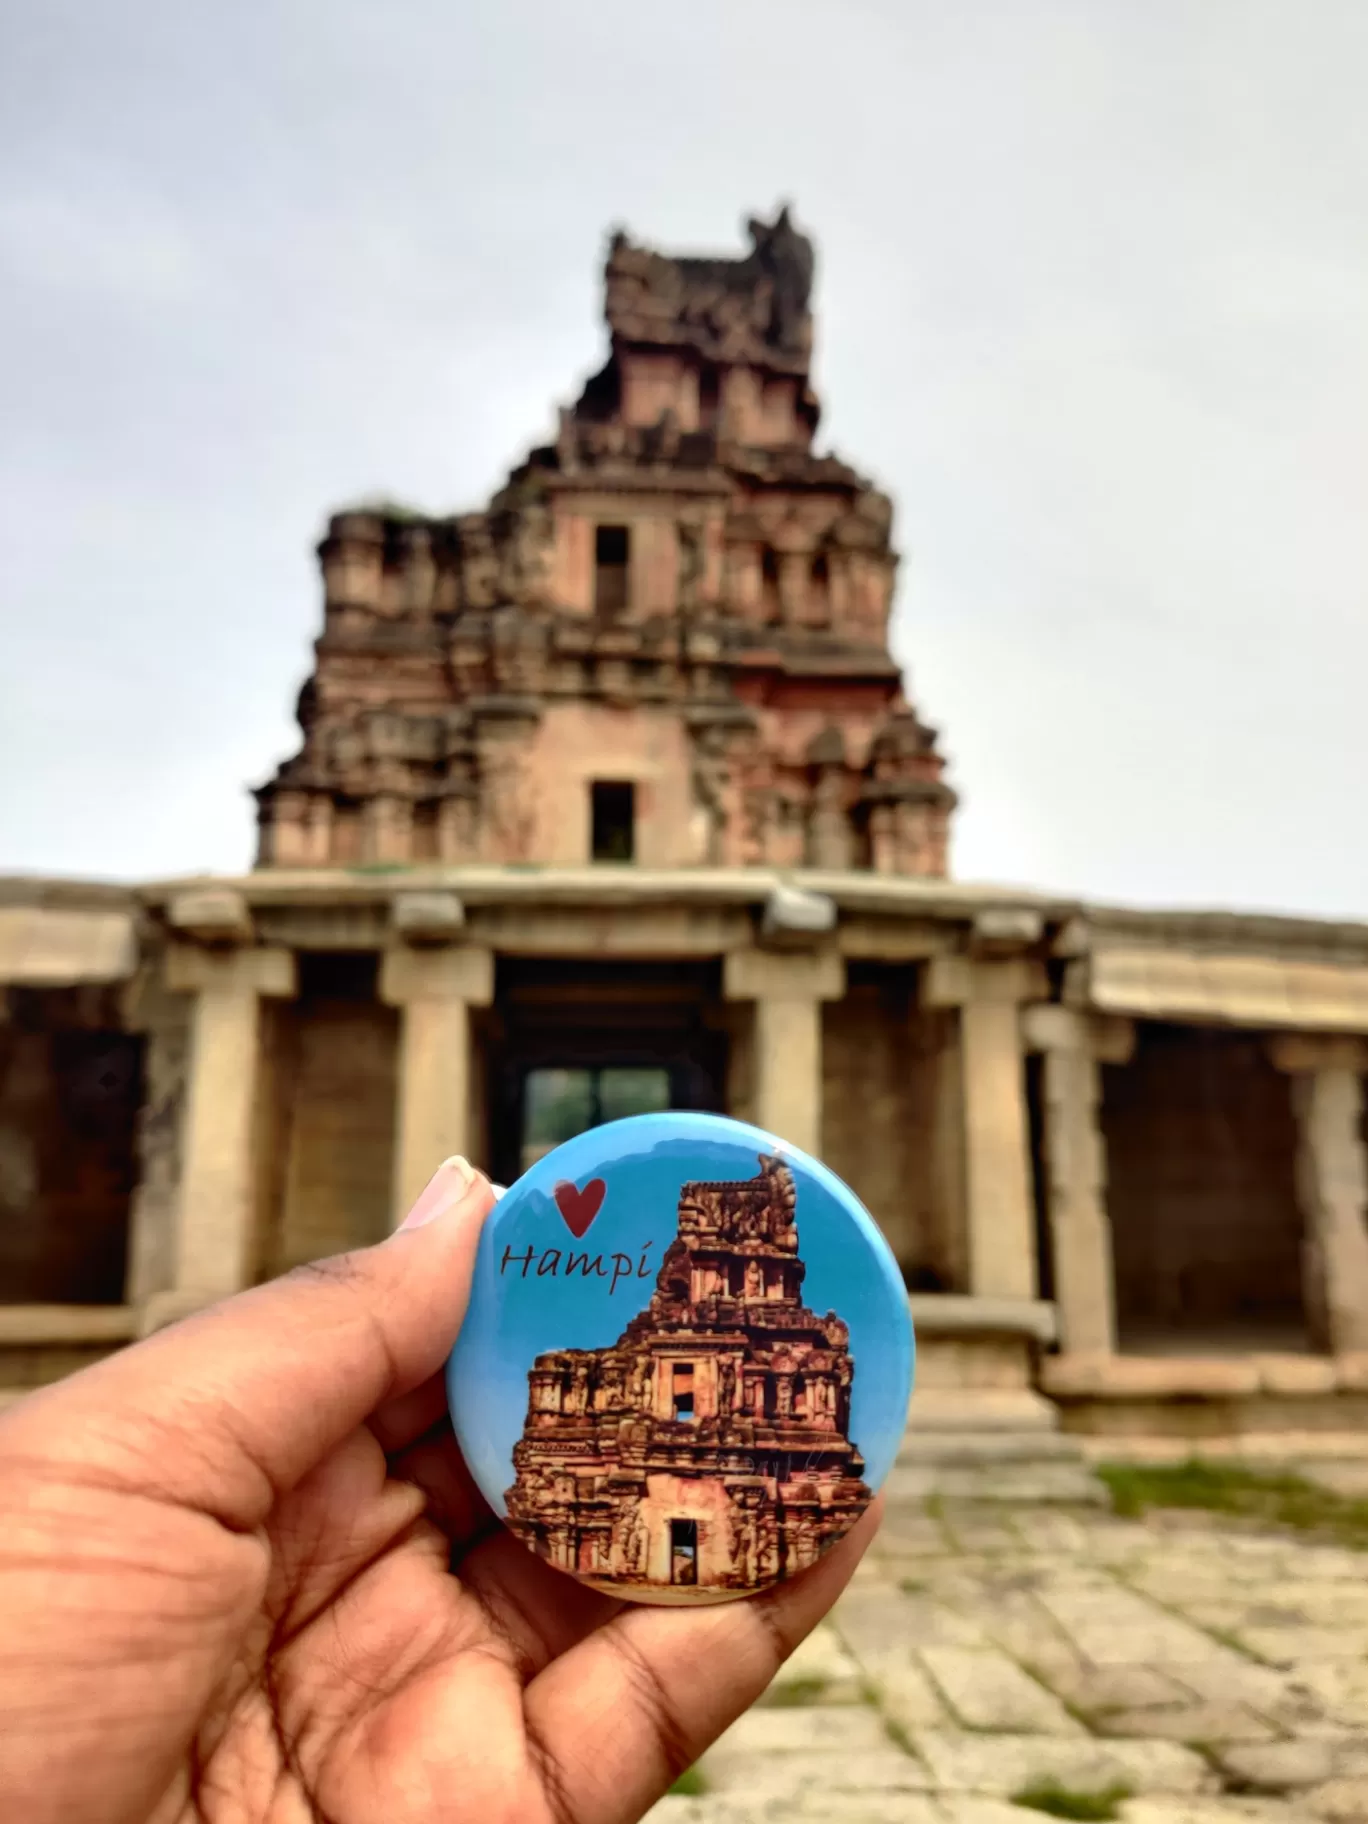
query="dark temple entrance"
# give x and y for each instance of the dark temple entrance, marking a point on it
(569, 1045)
(1206, 1229)
(71, 1084)
(683, 1551)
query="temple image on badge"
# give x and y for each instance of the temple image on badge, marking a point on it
(706, 1452)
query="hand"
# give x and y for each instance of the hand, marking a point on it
(245, 1576)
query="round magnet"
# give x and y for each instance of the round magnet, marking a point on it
(686, 1363)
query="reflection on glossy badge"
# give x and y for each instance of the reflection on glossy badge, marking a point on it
(687, 1359)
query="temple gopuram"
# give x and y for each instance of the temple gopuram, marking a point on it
(707, 1448)
(665, 640)
(611, 798)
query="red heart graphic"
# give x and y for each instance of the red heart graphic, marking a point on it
(579, 1208)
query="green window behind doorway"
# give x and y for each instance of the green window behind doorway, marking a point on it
(558, 1104)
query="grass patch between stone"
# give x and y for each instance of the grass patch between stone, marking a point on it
(807, 1688)
(690, 1784)
(1058, 1801)
(899, 1737)
(1275, 1498)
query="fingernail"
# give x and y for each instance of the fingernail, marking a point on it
(446, 1188)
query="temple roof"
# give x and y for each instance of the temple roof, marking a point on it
(753, 309)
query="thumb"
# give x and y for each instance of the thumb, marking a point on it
(228, 1408)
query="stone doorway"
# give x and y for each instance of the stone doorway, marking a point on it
(892, 1119)
(329, 1084)
(684, 1551)
(71, 1085)
(560, 1101)
(568, 1045)
(1206, 1228)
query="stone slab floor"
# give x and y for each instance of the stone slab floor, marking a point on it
(1218, 1674)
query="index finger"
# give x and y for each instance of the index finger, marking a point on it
(225, 1410)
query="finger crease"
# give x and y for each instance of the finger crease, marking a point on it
(654, 1698)
(551, 1773)
(764, 1607)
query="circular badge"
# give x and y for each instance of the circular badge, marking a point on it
(687, 1359)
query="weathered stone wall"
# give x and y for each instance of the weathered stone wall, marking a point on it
(576, 743)
(1206, 1230)
(326, 1152)
(890, 1126)
(70, 1086)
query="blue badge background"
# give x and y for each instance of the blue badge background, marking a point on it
(644, 1161)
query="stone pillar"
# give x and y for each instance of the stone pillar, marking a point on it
(794, 569)
(999, 1206)
(434, 988)
(387, 829)
(215, 1231)
(318, 831)
(1332, 1183)
(1072, 1044)
(788, 988)
(163, 1019)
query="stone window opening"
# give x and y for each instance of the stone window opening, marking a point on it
(684, 1551)
(71, 1083)
(612, 804)
(769, 585)
(682, 1392)
(1207, 1230)
(612, 551)
(819, 591)
(709, 398)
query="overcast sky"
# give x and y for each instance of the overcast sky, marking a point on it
(1093, 307)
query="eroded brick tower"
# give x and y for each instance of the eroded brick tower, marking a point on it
(665, 640)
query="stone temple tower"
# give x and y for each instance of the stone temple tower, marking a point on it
(665, 640)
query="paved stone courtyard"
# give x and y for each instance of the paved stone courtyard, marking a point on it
(1218, 1674)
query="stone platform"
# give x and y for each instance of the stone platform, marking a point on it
(1219, 1676)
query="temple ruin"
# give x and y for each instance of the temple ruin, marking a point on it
(610, 798)
(664, 641)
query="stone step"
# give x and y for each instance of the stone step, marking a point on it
(971, 1447)
(1062, 1482)
(1018, 1410)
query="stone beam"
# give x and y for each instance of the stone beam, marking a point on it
(1107, 1037)
(796, 918)
(1300, 1053)
(427, 917)
(211, 915)
(50, 947)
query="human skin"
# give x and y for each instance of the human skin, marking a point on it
(246, 1576)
